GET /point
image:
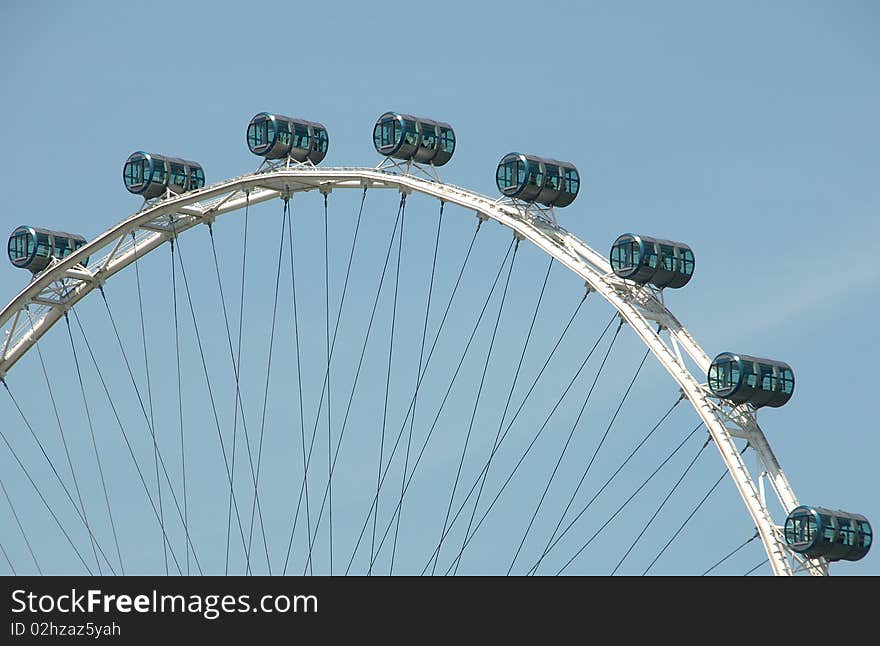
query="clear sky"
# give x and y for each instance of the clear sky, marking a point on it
(746, 129)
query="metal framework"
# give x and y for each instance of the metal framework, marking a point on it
(60, 286)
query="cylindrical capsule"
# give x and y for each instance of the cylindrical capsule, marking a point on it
(275, 136)
(662, 263)
(34, 248)
(535, 179)
(151, 175)
(742, 379)
(834, 535)
(421, 140)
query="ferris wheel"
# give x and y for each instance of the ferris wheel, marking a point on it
(272, 495)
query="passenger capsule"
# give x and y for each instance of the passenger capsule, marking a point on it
(742, 379)
(647, 260)
(835, 535)
(151, 175)
(406, 137)
(535, 179)
(275, 136)
(33, 248)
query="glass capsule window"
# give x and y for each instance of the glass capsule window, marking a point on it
(258, 133)
(769, 381)
(667, 257)
(846, 534)
(196, 178)
(511, 173)
(748, 369)
(160, 171)
(650, 259)
(828, 531)
(800, 529)
(386, 133)
(177, 174)
(554, 177)
(572, 181)
(624, 255)
(865, 535)
(723, 376)
(301, 137)
(135, 171)
(429, 137)
(20, 246)
(44, 247)
(686, 262)
(786, 381)
(447, 140)
(321, 140)
(536, 176)
(411, 132)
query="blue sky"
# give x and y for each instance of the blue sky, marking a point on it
(747, 130)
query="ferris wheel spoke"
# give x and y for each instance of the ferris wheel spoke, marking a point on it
(284, 217)
(412, 418)
(304, 486)
(128, 445)
(97, 453)
(27, 543)
(690, 515)
(534, 568)
(58, 477)
(467, 438)
(412, 400)
(324, 385)
(330, 462)
(452, 380)
(357, 373)
(45, 503)
(485, 472)
(756, 567)
(464, 354)
(217, 419)
(157, 454)
(67, 452)
(659, 507)
(8, 562)
(536, 436)
(729, 554)
(595, 451)
(388, 377)
(137, 276)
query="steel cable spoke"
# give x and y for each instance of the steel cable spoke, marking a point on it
(598, 447)
(620, 508)
(399, 512)
(537, 435)
(485, 473)
(660, 507)
(21, 530)
(477, 399)
(356, 375)
(691, 515)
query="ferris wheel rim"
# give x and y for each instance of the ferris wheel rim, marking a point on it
(638, 306)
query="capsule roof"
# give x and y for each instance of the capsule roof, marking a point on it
(537, 179)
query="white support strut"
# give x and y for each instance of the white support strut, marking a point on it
(64, 283)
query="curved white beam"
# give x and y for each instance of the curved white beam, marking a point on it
(64, 283)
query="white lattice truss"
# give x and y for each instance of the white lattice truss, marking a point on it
(52, 292)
